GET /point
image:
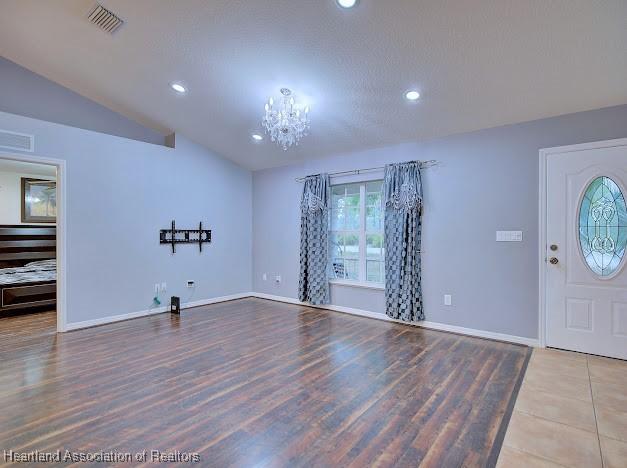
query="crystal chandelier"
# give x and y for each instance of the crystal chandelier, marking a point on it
(286, 124)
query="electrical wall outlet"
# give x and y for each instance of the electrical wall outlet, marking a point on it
(190, 283)
(448, 300)
(277, 278)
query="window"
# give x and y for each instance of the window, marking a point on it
(603, 226)
(356, 237)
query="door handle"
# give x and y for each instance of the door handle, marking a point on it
(553, 261)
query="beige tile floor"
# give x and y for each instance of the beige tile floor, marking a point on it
(571, 412)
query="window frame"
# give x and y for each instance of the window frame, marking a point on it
(363, 232)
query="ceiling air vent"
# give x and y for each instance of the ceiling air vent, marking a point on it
(105, 19)
(16, 141)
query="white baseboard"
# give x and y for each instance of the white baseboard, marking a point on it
(215, 300)
(347, 310)
(424, 324)
(156, 310)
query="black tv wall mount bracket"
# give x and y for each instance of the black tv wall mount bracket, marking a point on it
(175, 236)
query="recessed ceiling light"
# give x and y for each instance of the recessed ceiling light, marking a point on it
(412, 95)
(178, 87)
(257, 137)
(346, 3)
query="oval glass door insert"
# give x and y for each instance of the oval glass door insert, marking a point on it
(603, 226)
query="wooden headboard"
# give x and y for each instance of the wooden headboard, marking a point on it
(21, 244)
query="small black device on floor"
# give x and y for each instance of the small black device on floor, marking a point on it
(175, 305)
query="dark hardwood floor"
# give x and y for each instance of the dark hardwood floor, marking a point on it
(258, 383)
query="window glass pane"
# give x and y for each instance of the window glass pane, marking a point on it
(338, 218)
(352, 201)
(348, 231)
(337, 196)
(352, 189)
(374, 215)
(353, 220)
(336, 245)
(374, 271)
(351, 246)
(374, 186)
(351, 268)
(373, 199)
(374, 244)
(338, 269)
(374, 221)
(352, 195)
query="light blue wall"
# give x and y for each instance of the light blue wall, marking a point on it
(120, 192)
(26, 93)
(487, 181)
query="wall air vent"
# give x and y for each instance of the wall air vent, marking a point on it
(105, 19)
(16, 141)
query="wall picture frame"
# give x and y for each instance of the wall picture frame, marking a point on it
(39, 200)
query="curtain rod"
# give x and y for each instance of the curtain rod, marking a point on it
(423, 165)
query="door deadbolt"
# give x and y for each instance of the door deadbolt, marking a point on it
(553, 260)
(553, 247)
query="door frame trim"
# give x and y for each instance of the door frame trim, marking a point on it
(542, 246)
(61, 224)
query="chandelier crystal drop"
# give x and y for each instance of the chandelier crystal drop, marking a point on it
(285, 123)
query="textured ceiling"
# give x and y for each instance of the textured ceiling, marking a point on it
(477, 63)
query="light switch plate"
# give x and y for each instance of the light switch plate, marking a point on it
(509, 236)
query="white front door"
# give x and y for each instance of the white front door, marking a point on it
(586, 234)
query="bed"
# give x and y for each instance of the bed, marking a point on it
(27, 267)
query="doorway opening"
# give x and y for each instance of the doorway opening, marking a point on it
(32, 245)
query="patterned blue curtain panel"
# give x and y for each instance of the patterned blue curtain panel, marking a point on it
(402, 196)
(313, 286)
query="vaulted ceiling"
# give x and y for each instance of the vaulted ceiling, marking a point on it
(477, 64)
